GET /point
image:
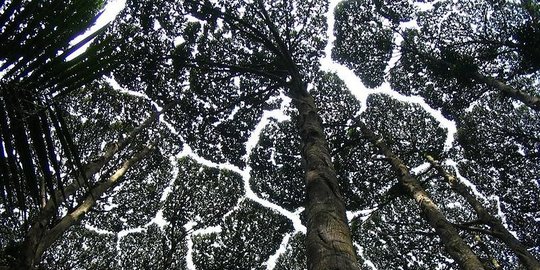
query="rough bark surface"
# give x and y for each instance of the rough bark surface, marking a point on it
(453, 243)
(328, 241)
(498, 230)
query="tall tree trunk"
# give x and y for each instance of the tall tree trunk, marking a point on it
(499, 231)
(453, 243)
(39, 238)
(328, 241)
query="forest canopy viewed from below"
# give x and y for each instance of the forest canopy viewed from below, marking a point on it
(270, 134)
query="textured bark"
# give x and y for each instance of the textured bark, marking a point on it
(40, 238)
(328, 241)
(498, 230)
(453, 243)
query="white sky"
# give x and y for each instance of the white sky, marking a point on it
(112, 9)
(351, 81)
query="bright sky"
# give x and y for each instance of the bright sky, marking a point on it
(112, 9)
(351, 80)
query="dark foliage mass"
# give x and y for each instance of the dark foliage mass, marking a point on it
(147, 150)
(239, 244)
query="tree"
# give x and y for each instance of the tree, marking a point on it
(513, 162)
(197, 193)
(35, 42)
(351, 154)
(464, 58)
(266, 44)
(498, 230)
(36, 39)
(453, 243)
(294, 256)
(235, 246)
(448, 62)
(196, 78)
(59, 213)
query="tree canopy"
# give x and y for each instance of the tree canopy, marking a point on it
(208, 135)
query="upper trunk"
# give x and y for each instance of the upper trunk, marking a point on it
(529, 100)
(453, 243)
(328, 241)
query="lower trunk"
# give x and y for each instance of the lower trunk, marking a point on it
(453, 243)
(498, 229)
(328, 241)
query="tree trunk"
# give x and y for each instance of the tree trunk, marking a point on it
(39, 238)
(328, 241)
(499, 231)
(453, 243)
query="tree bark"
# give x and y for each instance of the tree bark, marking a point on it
(328, 241)
(453, 243)
(498, 229)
